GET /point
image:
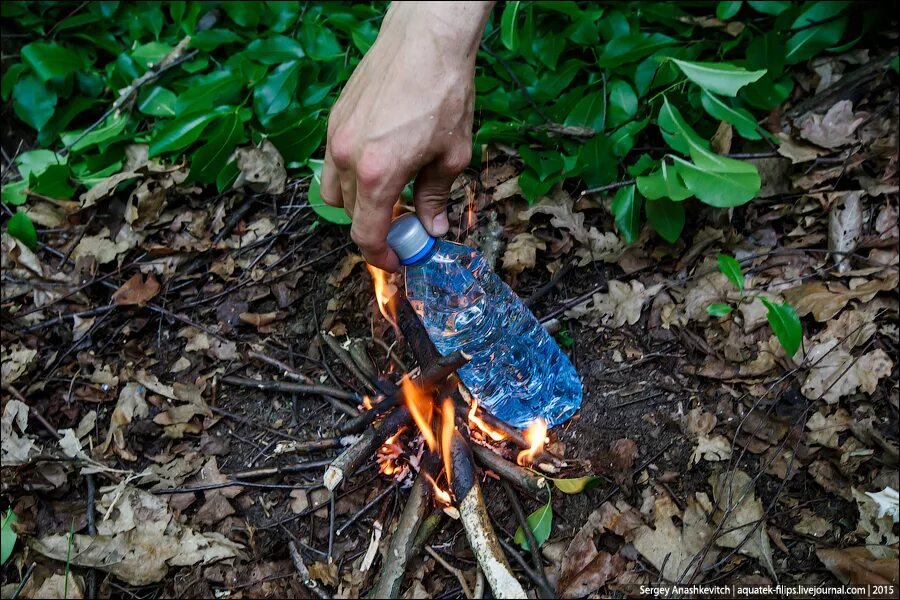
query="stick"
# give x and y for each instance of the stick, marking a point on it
(366, 508)
(400, 548)
(286, 386)
(365, 448)
(345, 358)
(305, 579)
(520, 477)
(473, 513)
(544, 588)
(453, 570)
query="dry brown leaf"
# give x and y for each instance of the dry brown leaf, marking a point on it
(711, 449)
(622, 304)
(835, 373)
(261, 168)
(835, 128)
(139, 542)
(812, 524)
(136, 290)
(845, 228)
(831, 480)
(698, 422)
(672, 549)
(104, 249)
(521, 252)
(721, 139)
(736, 494)
(874, 522)
(14, 448)
(823, 431)
(58, 585)
(825, 301)
(860, 566)
(260, 320)
(131, 404)
(15, 361)
(348, 264)
(796, 151)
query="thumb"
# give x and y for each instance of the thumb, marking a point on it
(430, 192)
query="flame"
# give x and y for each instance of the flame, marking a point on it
(536, 434)
(384, 293)
(448, 426)
(390, 453)
(441, 495)
(486, 429)
(470, 209)
(367, 402)
(421, 407)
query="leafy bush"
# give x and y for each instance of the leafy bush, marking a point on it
(574, 86)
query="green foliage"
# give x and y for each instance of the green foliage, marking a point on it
(632, 73)
(782, 318)
(7, 536)
(576, 485)
(540, 522)
(21, 228)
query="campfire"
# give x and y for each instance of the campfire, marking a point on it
(432, 426)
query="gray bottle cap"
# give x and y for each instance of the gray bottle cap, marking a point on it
(409, 238)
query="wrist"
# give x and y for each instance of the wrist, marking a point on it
(456, 26)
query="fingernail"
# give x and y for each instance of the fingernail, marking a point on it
(440, 225)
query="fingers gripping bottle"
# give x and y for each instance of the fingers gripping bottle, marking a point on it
(517, 371)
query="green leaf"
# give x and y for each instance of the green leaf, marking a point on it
(215, 89)
(895, 64)
(588, 112)
(766, 52)
(631, 48)
(663, 183)
(274, 50)
(52, 182)
(719, 310)
(596, 161)
(767, 93)
(21, 228)
(622, 139)
(7, 534)
(742, 120)
(719, 189)
(806, 43)
(157, 101)
(718, 77)
(108, 131)
(576, 485)
(10, 78)
(182, 132)
(275, 92)
(509, 33)
(33, 102)
(36, 162)
(731, 268)
(540, 522)
(726, 10)
(150, 53)
(285, 12)
(211, 39)
(534, 188)
(817, 12)
(210, 158)
(49, 61)
(786, 324)
(14, 193)
(623, 102)
(769, 7)
(331, 214)
(296, 144)
(666, 217)
(245, 14)
(626, 207)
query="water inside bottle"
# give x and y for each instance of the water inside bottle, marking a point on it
(517, 371)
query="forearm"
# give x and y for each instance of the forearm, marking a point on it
(453, 26)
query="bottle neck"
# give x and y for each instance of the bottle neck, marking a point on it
(423, 256)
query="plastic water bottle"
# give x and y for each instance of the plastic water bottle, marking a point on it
(517, 371)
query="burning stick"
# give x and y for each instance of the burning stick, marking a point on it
(474, 516)
(354, 456)
(521, 478)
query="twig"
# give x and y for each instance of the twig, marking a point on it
(354, 456)
(544, 587)
(608, 187)
(24, 581)
(246, 421)
(453, 570)
(283, 386)
(520, 477)
(548, 287)
(303, 572)
(347, 361)
(91, 576)
(356, 516)
(286, 369)
(523, 564)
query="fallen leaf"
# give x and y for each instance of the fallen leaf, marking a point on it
(845, 228)
(741, 515)
(136, 290)
(137, 540)
(672, 549)
(261, 168)
(826, 301)
(346, 267)
(15, 361)
(834, 373)
(58, 585)
(859, 566)
(104, 249)
(831, 480)
(131, 404)
(15, 446)
(81, 326)
(622, 304)
(812, 524)
(796, 151)
(888, 501)
(721, 139)
(260, 320)
(299, 501)
(876, 517)
(833, 129)
(711, 449)
(823, 431)
(698, 422)
(521, 252)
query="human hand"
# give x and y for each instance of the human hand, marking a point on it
(406, 113)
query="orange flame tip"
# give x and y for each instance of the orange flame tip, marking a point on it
(384, 294)
(495, 435)
(536, 435)
(448, 426)
(441, 495)
(421, 408)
